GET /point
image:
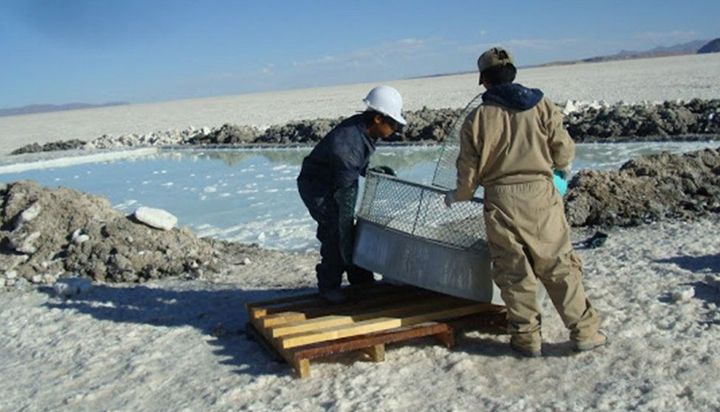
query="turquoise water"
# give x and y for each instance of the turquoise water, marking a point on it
(250, 195)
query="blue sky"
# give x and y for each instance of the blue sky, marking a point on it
(59, 51)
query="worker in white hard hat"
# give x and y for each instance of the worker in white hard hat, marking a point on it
(511, 145)
(328, 185)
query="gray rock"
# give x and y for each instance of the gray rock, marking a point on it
(50, 147)
(27, 244)
(9, 261)
(30, 213)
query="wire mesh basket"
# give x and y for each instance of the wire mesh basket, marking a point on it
(445, 170)
(420, 211)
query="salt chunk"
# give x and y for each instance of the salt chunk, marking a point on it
(28, 244)
(683, 294)
(570, 107)
(79, 237)
(72, 286)
(156, 218)
(30, 213)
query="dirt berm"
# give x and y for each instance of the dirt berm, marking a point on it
(646, 190)
(48, 233)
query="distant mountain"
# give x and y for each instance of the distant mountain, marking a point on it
(675, 50)
(712, 46)
(42, 108)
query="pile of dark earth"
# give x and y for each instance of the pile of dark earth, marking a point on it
(47, 234)
(670, 121)
(648, 189)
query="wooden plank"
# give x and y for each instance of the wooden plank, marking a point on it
(304, 312)
(355, 294)
(252, 333)
(322, 349)
(302, 367)
(376, 352)
(401, 309)
(314, 298)
(375, 325)
(447, 338)
(282, 318)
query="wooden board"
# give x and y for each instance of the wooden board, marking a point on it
(304, 327)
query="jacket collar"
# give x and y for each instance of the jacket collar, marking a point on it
(513, 96)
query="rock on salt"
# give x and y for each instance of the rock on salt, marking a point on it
(30, 213)
(683, 294)
(570, 107)
(72, 286)
(156, 218)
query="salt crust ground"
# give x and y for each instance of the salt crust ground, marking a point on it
(668, 78)
(176, 345)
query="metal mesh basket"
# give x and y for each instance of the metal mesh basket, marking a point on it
(445, 171)
(420, 210)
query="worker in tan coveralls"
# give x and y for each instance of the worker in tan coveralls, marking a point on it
(511, 145)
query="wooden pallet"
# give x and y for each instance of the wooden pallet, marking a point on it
(300, 328)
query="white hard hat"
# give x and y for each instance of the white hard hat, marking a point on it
(387, 101)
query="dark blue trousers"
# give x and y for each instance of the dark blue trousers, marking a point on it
(333, 212)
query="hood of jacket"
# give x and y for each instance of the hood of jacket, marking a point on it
(513, 96)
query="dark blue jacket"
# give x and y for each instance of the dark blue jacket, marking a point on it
(341, 157)
(514, 96)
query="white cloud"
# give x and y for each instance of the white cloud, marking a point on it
(268, 69)
(403, 48)
(524, 44)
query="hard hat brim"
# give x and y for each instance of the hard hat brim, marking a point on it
(397, 117)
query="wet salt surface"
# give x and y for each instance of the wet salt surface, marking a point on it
(248, 195)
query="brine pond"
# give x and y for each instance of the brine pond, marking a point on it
(247, 195)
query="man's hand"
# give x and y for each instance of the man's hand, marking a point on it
(385, 170)
(563, 173)
(450, 198)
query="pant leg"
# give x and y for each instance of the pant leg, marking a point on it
(558, 266)
(330, 269)
(346, 199)
(512, 272)
(323, 210)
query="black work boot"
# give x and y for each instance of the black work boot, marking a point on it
(333, 296)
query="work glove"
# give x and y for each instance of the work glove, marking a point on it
(564, 173)
(560, 182)
(450, 198)
(385, 170)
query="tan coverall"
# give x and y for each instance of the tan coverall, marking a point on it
(512, 154)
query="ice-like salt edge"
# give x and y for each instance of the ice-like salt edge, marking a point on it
(76, 160)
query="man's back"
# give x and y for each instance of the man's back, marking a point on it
(518, 136)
